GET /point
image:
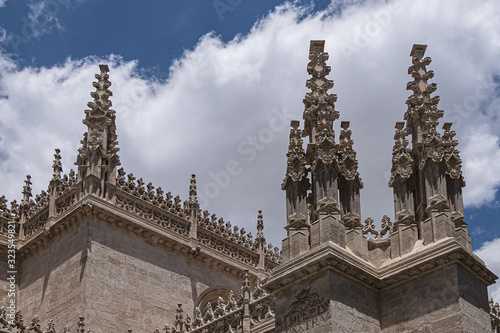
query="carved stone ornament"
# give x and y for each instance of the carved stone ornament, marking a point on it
(402, 162)
(451, 154)
(296, 156)
(348, 164)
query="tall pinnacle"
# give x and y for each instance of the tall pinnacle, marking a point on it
(422, 115)
(319, 112)
(97, 159)
(101, 136)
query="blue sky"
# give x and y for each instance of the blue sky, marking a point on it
(195, 82)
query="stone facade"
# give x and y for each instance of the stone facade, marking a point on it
(101, 250)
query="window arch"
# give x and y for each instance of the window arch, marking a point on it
(211, 295)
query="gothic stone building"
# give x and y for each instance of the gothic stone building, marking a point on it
(100, 251)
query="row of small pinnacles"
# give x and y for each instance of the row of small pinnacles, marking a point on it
(227, 316)
(157, 198)
(147, 193)
(138, 189)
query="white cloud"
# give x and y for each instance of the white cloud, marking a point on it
(482, 166)
(2, 3)
(220, 99)
(42, 18)
(489, 254)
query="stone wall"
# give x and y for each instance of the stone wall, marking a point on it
(52, 281)
(132, 283)
(447, 300)
(327, 302)
(117, 280)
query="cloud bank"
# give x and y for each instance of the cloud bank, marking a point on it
(224, 111)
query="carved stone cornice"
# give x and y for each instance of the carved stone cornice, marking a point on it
(104, 211)
(390, 274)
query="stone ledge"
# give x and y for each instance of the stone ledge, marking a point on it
(427, 260)
(105, 211)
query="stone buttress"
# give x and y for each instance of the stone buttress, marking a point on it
(417, 272)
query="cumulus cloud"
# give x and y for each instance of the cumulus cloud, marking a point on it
(482, 166)
(224, 111)
(489, 254)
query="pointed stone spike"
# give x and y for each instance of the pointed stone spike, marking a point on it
(98, 158)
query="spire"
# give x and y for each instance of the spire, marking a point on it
(319, 112)
(422, 116)
(424, 182)
(100, 119)
(97, 159)
(260, 242)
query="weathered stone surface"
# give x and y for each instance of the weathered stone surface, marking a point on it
(103, 251)
(448, 300)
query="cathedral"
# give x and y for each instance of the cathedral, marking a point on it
(101, 251)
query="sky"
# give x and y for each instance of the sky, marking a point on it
(202, 86)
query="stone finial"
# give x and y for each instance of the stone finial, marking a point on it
(51, 327)
(348, 164)
(451, 154)
(26, 191)
(246, 290)
(57, 166)
(81, 325)
(260, 225)
(35, 325)
(193, 196)
(296, 157)
(402, 161)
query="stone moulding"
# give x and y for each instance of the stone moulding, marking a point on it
(103, 210)
(409, 267)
